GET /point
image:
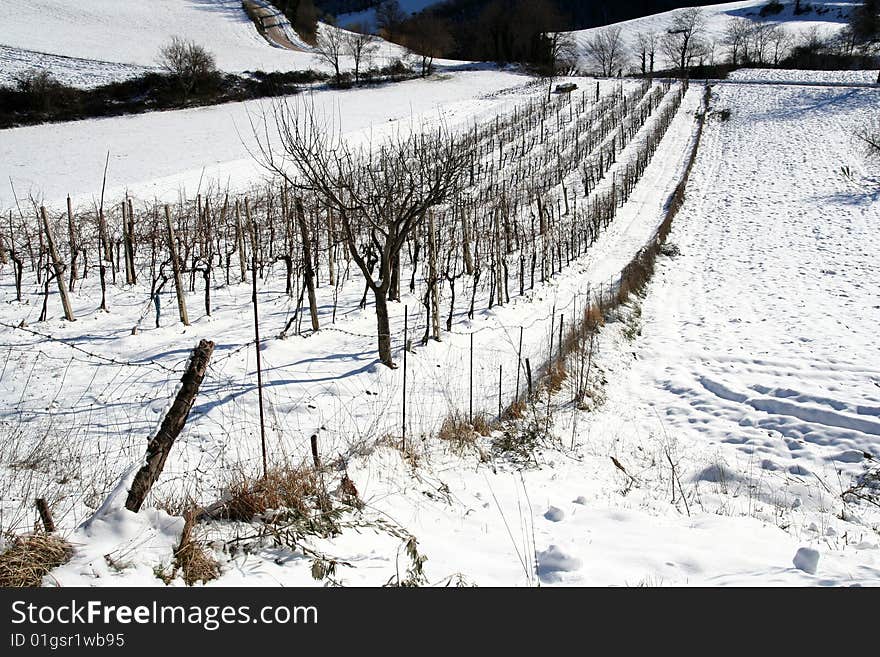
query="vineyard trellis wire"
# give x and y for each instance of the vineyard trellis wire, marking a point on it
(543, 182)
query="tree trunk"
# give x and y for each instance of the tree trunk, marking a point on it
(242, 258)
(435, 278)
(73, 246)
(309, 272)
(383, 326)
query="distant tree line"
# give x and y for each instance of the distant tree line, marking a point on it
(303, 17)
(509, 30)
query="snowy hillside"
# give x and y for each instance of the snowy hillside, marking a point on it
(826, 17)
(628, 336)
(95, 41)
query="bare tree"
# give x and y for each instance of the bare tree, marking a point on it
(428, 37)
(329, 48)
(760, 39)
(682, 42)
(188, 63)
(606, 49)
(736, 38)
(389, 17)
(379, 195)
(780, 42)
(645, 47)
(561, 52)
(361, 46)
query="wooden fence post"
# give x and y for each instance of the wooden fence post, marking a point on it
(175, 265)
(59, 268)
(45, 515)
(172, 425)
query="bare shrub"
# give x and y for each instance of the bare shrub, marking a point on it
(607, 50)
(41, 92)
(192, 66)
(457, 430)
(556, 374)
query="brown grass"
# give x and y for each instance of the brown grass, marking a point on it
(191, 559)
(483, 425)
(295, 488)
(516, 410)
(408, 452)
(31, 557)
(463, 436)
(556, 374)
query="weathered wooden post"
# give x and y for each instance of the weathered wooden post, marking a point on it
(59, 268)
(175, 265)
(160, 445)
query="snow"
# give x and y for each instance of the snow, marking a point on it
(827, 18)
(72, 71)
(752, 373)
(806, 559)
(115, 39)
(739, 395)
(139, 30)
(210, 144)
(823, 77)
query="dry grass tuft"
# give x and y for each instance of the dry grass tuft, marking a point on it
(483, 425)
(593, 318)
(556, 374)
(297, 489)
(31, 557)
(463, 434)
(191, 559)
(408, 451)
(516, 410)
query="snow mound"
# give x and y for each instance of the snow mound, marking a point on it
(806, 559)
(553, 561)
(554, 514)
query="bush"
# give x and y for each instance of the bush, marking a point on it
(191, 65)
(294, 490)
(40, 92)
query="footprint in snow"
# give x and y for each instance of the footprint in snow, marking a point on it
(553, 561)
(554, 514)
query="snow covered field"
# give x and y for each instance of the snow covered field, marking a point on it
(139, 30)
(116, 39)
(823, 77)
(210, 144)
(757, 358)
(748, 367)
(730, 406)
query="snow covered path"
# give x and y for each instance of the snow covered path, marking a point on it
(763, 333)
(758, 362)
